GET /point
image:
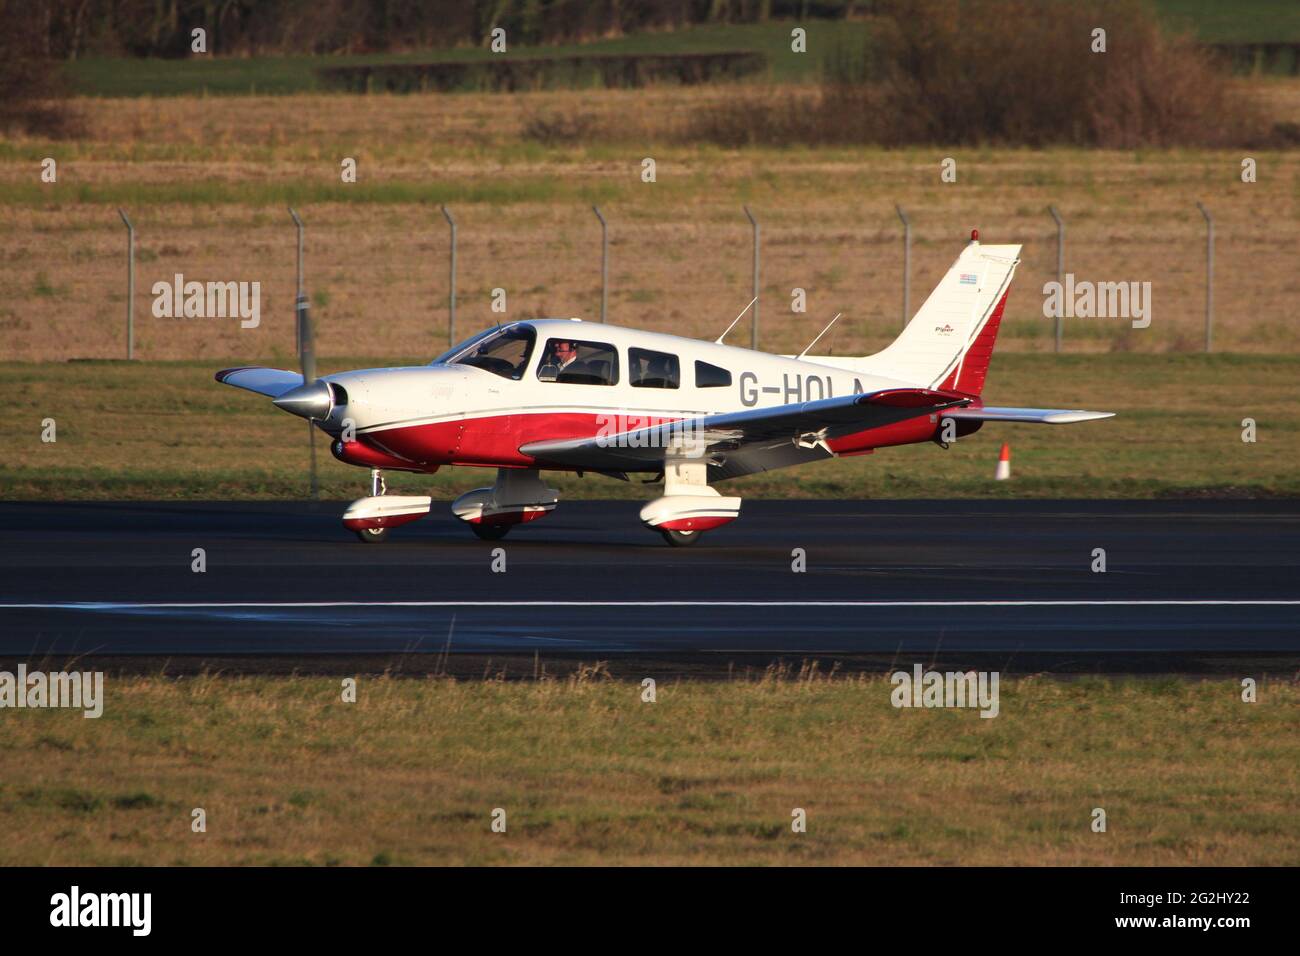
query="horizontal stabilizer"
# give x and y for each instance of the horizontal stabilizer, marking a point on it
(265, 381)
(1042, 416)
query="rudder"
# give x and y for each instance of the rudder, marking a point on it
(948, 343)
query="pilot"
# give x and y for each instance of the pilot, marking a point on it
(563, 354)
(560, 355)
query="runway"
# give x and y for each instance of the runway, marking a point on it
(882, 578)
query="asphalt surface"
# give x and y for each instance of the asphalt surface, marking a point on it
(883, 577)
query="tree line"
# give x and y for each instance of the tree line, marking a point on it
(69, 29)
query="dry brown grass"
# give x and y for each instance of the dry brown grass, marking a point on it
(710, 773)
(205, 182)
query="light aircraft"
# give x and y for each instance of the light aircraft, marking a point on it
(568, 395)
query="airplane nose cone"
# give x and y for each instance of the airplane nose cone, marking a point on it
(309, 401)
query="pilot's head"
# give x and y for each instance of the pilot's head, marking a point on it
(564, 352)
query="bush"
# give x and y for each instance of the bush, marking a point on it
(1007, 72)
(32, 95)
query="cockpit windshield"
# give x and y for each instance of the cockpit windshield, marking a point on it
(462, 345)
(503, 351)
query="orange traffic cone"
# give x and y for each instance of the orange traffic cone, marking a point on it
(1004, 464)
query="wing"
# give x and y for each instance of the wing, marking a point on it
(1044, 416)
(740, 443)
(265, 381)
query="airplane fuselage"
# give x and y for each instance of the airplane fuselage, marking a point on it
(448, 413)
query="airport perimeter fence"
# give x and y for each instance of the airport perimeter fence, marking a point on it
(304, 343)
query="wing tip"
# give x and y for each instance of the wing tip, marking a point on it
(225, 373)
(259, 379)
(1041, 416)
(1081, 415)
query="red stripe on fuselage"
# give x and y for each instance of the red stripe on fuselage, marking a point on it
(495, 439)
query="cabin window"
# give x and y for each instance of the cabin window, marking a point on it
(710, 376)
(573, 362)
(504, 352)
(648, 369)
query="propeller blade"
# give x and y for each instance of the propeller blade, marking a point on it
(306, 341)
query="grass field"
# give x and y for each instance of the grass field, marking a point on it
(1210, 20)
(164, 430)
(1241, 21)
(709, 773)
(275, 75)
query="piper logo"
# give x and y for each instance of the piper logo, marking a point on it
(103, 909)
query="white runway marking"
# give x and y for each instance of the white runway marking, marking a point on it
(181, 605)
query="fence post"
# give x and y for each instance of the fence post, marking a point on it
(1209, 277)
(130, 285)
(753, 323)
(1060, 270)
(306, 347)
(907, 264)
(451, 284)
(604, 261)
(297, 298)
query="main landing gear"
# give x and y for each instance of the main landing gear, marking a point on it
(490, 532)
(680, 539)
(518, 496)
(688, 506)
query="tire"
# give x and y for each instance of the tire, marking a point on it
(490, 532)
(372, 535)
(680, 539)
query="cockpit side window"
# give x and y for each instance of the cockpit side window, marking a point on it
(649, 369)
(573, 362)
(503, 352)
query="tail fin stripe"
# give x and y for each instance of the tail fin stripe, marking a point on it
(981, 342)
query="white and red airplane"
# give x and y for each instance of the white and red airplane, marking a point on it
(567, 395)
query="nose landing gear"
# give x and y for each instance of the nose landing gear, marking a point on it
(371, 518)
(372, 535)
